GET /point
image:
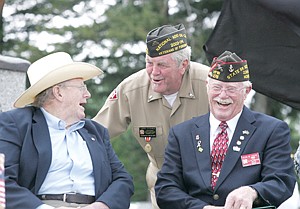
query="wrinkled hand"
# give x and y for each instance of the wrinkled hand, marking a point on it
(241, 198)
(213, 207)
(95, 205)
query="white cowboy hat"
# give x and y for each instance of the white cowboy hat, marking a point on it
(53, 69)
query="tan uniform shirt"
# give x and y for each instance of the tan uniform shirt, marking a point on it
(134, 103)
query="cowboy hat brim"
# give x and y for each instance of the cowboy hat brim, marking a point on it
(70, 71)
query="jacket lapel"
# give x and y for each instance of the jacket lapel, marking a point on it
(201, 138)
(42, 143)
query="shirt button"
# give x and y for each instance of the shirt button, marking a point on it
(216, 197)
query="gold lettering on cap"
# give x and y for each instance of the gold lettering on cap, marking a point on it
(182, 46)
(166, 51)
(242, 69)
(164, 42)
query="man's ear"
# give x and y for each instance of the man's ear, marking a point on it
(184, 65)
(248, 89)
(57, 92)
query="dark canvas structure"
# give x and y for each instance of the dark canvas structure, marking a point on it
(267, 35)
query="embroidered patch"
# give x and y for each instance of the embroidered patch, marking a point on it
(113, 95)
(147, 131)
(250, 159)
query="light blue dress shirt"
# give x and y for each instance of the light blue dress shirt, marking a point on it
(71, 168)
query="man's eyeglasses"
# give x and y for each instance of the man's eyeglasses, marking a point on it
(229, 90)
(82, 88)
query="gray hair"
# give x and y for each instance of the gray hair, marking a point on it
(43, 97)
(182, 55)
(246, 84)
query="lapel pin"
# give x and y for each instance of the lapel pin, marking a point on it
(238, 142)
(93, 139)
(236, 148)
(197, 137)
(242, 138)
(200, 149)
(246, 132)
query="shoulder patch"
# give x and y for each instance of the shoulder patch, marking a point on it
(113, 95)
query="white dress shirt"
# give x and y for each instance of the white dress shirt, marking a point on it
(215, 129)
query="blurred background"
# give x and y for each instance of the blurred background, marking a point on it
(111, 35)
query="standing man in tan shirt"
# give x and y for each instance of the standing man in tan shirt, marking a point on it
(170, 90)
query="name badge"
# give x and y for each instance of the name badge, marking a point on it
(147, 131)
(250, 159)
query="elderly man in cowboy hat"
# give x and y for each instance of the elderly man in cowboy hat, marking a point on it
(54, 158)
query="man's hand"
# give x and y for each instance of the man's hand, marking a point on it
(95, 205)
(241, 198)
(213, 207)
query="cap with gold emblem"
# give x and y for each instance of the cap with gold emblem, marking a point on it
(229, 67)
(166, 39)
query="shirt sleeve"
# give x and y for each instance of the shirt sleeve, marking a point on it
(115, 113)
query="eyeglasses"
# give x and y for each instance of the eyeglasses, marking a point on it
(82, 88)
(229, 90)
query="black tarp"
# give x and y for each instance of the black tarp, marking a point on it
(267, 34)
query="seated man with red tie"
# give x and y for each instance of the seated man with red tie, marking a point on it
(232, 157)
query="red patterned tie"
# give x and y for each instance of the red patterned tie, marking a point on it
(218, 153)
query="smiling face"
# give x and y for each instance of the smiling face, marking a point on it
(226, 99)
(165, 74)
(74, 97)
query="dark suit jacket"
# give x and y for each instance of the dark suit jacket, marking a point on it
(25, 141)
(184, 180)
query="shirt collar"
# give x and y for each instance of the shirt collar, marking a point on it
(59, 124)
(214, 123)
